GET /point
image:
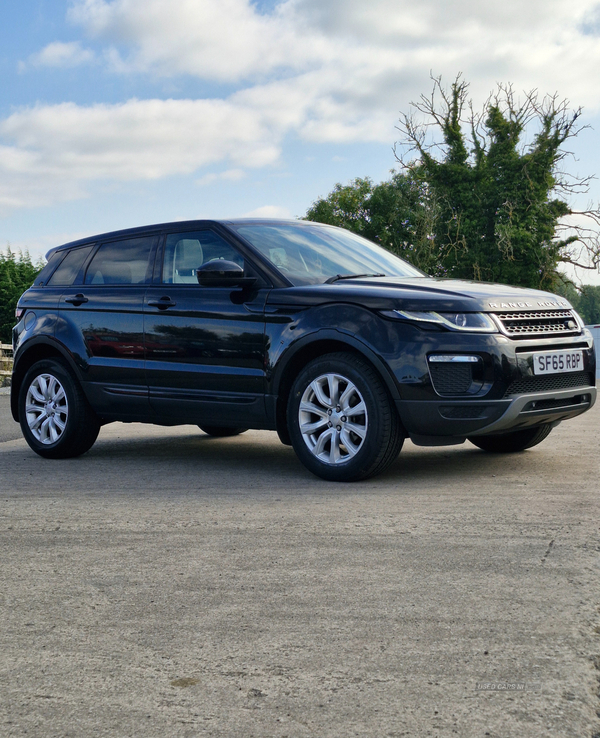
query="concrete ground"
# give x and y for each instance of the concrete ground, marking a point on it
(171, 584)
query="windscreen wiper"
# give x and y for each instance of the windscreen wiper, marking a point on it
(337, 277)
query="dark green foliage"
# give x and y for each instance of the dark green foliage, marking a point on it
(479, 203)
(497, 206)
(586, 301)
(396, 214)
(17, 273)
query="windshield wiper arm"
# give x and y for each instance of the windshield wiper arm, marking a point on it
(337, 277)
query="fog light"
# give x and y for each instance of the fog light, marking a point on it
(454, 358)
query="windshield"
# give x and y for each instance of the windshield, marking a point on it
(312, 254)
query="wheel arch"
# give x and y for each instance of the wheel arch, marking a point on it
(33, 351)
(312, 347)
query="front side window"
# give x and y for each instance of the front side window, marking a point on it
(186, 252)
(120, 262)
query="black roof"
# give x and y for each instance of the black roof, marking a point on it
(186, 224)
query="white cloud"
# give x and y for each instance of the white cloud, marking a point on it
(58, 54)
(55, 150)
(269, 211)
(224, 40)
(230, 175)
(337, 71)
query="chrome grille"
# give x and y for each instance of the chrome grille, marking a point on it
(539, 323)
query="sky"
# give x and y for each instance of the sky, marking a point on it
(119, 113)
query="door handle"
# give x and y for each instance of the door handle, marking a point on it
(77, 299)
(162, 304)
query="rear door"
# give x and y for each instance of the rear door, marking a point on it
(205, 346)
(101, 319)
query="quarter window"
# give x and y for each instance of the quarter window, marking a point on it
(70, 266)
(121, 262)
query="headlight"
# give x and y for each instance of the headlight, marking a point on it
(472, 322)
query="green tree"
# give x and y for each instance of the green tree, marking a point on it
(585, 299)
(500, 206)
(17, 273)
(398, 214)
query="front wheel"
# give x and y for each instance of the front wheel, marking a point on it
(512, 442)
(56, 418)
(342, 423)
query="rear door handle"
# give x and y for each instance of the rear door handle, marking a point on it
(162, 304)
(77, 299)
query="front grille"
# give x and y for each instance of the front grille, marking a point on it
(451, 379)
(539, 323)
(550, 383)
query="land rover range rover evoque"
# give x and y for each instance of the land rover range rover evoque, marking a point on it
(308, 330)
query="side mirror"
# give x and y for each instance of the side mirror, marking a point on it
(221, 273)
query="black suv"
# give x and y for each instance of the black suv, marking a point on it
(309, 330)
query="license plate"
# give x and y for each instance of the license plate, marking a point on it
(555, 362)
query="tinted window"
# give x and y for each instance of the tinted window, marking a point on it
(120, 262)
(185, 252)
(70, 266)
(310, 254)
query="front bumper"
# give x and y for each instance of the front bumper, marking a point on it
(509, 395)
(439, 423)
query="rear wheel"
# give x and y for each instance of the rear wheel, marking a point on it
(56, 418)
(512, 442)
(215, 430)
(341, 421)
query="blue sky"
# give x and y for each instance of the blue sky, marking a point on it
(116, 113)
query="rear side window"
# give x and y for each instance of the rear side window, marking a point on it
(70, 266)
(121, 262)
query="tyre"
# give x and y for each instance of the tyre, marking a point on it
(55, 416)
(511, 442)
(342, 422)
(215, 430)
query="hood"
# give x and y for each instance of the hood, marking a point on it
(419, 294)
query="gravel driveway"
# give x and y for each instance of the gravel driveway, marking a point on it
(169, 584)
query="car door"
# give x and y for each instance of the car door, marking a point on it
(205, 347)
(101, 318)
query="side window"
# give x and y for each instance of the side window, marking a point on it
(70, 266)
(185, 252)
(120, 262)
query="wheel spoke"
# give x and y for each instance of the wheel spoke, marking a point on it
(43, 387)
(309, 428)
(344, 400)
(317, 388)
(359, 409)
(41, 415)
(322, 442)
(310, 407)
(351, 447)
(52, 384)
(334, 450)
(60, 423)
(333, 382)
(53, 431)
(34, 391)
(45, 431)
(360, 430)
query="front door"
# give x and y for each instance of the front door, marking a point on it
(204, 345)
